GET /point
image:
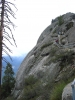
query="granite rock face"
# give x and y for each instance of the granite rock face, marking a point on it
(67, 93)
(39, 60)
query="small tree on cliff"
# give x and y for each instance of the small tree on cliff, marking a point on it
(5, 30)
(8, 81)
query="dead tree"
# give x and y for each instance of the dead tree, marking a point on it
(5, 31)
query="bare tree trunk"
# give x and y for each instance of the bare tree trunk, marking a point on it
(5, 11)
(0, 61)
(1, 36)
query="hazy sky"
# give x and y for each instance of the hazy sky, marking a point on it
(33, 16)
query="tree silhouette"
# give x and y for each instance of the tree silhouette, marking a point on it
(8, 81)
(5, 30)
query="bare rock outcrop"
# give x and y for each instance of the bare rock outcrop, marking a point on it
(40, 61)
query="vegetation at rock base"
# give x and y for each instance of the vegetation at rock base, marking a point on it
(32, 88)
(9, 98)
(57, 91)
(47, 91)
(8, 81)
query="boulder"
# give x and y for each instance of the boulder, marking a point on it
(67, 93)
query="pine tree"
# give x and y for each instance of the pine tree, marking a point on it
(8, 81)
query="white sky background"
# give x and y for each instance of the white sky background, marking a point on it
(33, 16)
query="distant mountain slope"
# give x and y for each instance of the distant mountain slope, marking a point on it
(16, 61)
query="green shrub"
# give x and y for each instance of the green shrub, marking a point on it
(30, 80)
(69, 25)
(57, 91)
(32, 89)
(9, 98)
(60, 20)
(65, 58)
